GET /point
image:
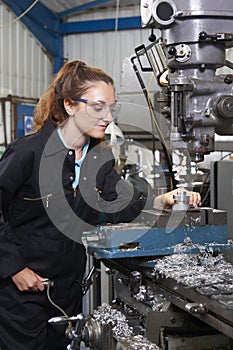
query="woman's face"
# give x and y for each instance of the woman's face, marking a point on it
(92, 114)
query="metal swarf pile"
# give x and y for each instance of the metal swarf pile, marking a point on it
(121, 329)
(209, 275)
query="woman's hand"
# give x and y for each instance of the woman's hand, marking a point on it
(167, 199)
(28, 280)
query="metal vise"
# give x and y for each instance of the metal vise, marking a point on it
(161, 234)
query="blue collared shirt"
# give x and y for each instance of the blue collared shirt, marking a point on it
(78, 162)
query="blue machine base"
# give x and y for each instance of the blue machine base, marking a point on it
(157, 242)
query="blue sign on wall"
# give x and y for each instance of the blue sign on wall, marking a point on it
(24, 119)
(28, 124)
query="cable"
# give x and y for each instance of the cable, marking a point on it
(117, 15)
(154, 117)
(115, 34)
(52, 302)
(69, 327)
(146, 94)
(204, 183)
(226, 155)
(162, 139)
(20, 16)
(206, 196)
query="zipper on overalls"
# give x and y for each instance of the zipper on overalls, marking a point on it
(75, 191)
(98, 191)
(40, 198)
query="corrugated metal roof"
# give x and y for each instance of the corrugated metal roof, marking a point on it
(62, 5)
(58, 6)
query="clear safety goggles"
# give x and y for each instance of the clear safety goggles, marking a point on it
(99, 109)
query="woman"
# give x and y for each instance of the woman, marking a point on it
(54, 184)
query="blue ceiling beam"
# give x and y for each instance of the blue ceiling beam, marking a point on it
(44, 25)
(82, 8)
(100, 25)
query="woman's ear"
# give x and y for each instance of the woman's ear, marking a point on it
(69, 107)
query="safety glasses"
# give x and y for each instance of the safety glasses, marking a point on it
(99, 109)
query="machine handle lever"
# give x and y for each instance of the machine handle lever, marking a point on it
(61, 320)
(195, 308)
(216, 37)
(87, 280)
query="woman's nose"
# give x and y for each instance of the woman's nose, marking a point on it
(108, 116)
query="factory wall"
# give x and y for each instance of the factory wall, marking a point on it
(25, 68)
(106, 49)
(25, 71)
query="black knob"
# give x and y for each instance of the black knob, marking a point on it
(202, 36)
(152, 37)
(171, 50)
(228, 79)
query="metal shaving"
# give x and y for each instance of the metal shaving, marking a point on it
(182, 247)
(120, 328)
(209, 275)
(146, 295)
(138, 342)
(194, 269)
(106, 314)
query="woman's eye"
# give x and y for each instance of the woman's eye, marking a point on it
(98, 108)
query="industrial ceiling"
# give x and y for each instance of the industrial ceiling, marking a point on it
(74, 6)
(48, 20)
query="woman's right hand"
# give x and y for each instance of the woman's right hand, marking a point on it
(28, 280)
